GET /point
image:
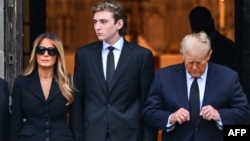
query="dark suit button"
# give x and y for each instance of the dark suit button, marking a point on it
(46, 139)
(46, 107)
(47, 123)
(47, 131)
(46, 115)
(24, 120)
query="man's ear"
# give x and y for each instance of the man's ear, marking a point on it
(119, 24)
(209, 54)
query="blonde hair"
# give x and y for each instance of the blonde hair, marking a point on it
(196, 43)
(60, 73)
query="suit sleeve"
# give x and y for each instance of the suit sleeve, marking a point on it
(78, 75)
(4, 102)
(238, 112)
(147, 75)
(75, 119)
(16, 112)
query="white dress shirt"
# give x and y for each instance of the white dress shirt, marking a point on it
(117, 52)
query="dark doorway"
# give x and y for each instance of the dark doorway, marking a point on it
(34, 23)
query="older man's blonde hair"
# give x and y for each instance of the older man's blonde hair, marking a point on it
(197, 44)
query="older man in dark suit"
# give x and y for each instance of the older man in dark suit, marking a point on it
(4, 110)
(191, 101)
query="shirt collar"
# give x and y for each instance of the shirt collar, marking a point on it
(117, 45)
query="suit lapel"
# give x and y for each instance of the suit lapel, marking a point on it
(210, 84)
(209, 87)
(35, 87)
(124, 59)
(182, 83)
(54, 90)
(96, 60)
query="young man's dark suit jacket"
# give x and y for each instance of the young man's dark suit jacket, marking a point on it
(4, 110)
(116, 111)
(169, 93)
(46, 119)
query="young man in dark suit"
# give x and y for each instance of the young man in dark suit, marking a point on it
(113, 101)
(4, 110)
(172, 107)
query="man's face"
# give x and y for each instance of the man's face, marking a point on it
(195, 66)
(105, 27)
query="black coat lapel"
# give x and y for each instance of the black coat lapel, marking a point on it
(34, 85)
(54, 90)
(124, 59)
(96, 61)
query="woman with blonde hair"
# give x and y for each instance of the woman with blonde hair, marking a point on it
(44, 106)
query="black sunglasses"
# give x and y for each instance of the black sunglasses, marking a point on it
(52, 51)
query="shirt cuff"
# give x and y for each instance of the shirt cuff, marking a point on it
(169, 126)
(219, 124)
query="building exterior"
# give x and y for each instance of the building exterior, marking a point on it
(22, 20)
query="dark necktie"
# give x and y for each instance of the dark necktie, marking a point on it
(194, 101)
(110, 65)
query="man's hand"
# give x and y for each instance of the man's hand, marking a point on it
(180, 116)
(209, 113)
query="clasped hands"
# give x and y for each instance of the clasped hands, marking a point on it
(182, 115)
